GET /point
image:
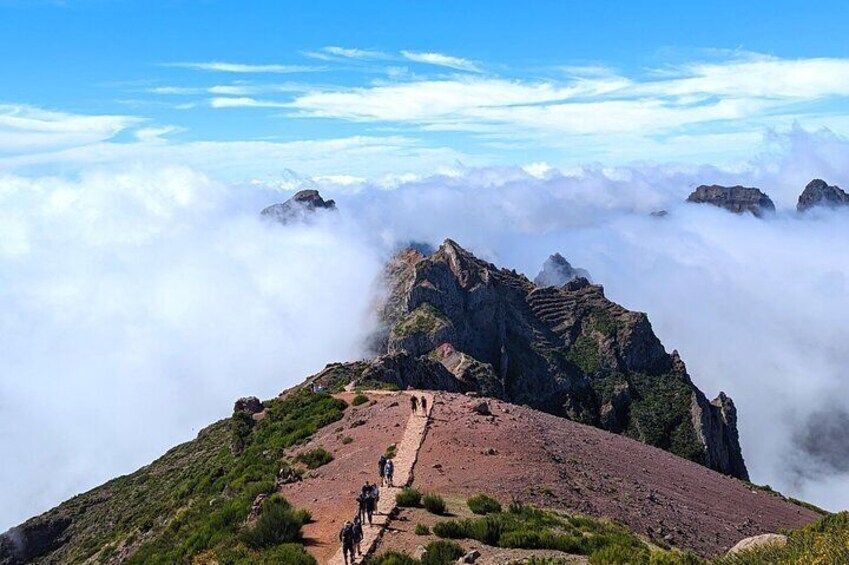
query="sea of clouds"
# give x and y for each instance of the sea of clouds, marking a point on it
(137, 302)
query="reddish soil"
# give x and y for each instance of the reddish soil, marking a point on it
(552, 462)
(329, 492)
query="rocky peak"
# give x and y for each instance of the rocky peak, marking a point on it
(298, 208)
(557, 271)
(737, 199)
(462, 324)
(819, 193)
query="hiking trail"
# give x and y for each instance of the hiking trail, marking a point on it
(406, 454)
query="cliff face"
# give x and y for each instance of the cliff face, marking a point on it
(568, 351)
(737, 199)
(820, 193)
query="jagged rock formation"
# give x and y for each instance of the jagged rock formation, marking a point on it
(557, 271)
(819, 193)
(461, 324)
(298, 208)
(737, 199)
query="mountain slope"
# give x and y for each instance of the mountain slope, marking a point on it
(457, 323)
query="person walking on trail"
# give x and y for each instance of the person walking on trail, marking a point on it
(371, 505)
(358, 535)
(362, 504)
(381, 466)
(424, 405)
(414, 404)
(389, 472)
(346, 536)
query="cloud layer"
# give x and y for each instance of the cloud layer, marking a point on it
(138, 302)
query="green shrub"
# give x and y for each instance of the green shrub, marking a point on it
(315, 458)
(442, 553)
(674, 558)
(288, 553)
(408, 498)
(422, 530)
(453, 529)
(434, 504)
(278, 523)
(619, 554)
(360, 398)
(483, 504)
(393, 558)
(390, 452)
(346, 440)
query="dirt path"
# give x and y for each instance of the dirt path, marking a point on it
(406, 455)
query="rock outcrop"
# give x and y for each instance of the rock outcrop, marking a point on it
(819, 193)
(737, 199)
(461, 324)
(298, 208)
(557, 271)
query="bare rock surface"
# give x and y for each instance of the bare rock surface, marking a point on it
(557, 271)
(737, 199)
(299, 207)
(819, 193)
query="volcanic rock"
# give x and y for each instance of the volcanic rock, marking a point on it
(757, 542)
(250, 405)
(557, 271)
(819, 193)
(737, 199)
(460, 324)
(298, 208)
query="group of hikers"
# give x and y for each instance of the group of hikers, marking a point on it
(351, 534)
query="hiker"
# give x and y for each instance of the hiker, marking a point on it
(390, 470)
(414, 404)
(381, 466)
(346, 536)
(371, 505)
(362, 504)
(358, 535)
(424, 405)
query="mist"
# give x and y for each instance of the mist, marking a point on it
(137, 303)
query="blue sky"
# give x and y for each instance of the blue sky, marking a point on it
(364, 89)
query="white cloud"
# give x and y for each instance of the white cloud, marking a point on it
(332, 52)
(26, 128)
(244, 102)
(441, 60)
(156, 135)
(217, 66)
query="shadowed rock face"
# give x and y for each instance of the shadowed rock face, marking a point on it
(737, 199)
(819, 193)
(569, 351)
(557, 271)
(298, 208)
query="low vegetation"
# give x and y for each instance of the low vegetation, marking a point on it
(436, 553)
(483, 504)
(359, 399)
(434, 504)
(823, 542)
(424, 319)
(527, 527)
(390, 452)
(314, 458)
(408, 498)
(422, 530)
(195, 499)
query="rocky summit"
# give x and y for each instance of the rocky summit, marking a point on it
(819, 193)
(737, 199)
(298, 208)
(456, 323)
(557, 271)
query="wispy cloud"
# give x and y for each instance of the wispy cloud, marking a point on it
(27, 128)
(332, 52)
(244, 102)
(441, 60)
(222, 67)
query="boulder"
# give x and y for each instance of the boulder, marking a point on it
(250, 405)
(482, 409)
(762, 540)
